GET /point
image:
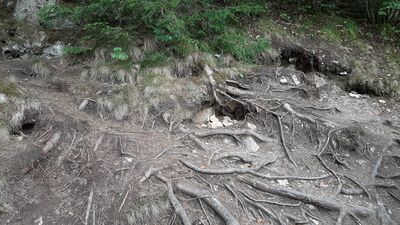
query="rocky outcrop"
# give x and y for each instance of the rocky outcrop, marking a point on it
(27, 10)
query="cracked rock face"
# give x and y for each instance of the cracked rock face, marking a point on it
(28, 10)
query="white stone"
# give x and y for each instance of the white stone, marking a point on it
(214, 122)
(343, 73)
(283, 80)
(55, 50)
(227, 121)
(382, 101)
(250, 144)
(354, 95)
(3, 98)
(251, 126)
(295, 80)
(320, 82)
(128, 159)
(283, 182)
(208, 70)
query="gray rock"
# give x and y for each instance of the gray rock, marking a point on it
(203, 115)
(320, 82)
(55, 50)
(27, 10)
(250, 144)
(3, 98)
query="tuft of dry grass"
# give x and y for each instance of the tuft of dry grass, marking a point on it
(368, 79)
(136, 54)
(109, 74)
(192, 64)
(149, 209)
(41, 68)
(27, 108)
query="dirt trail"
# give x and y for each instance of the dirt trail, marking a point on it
(334, 140)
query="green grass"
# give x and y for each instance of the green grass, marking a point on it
(10, 89)
(154, 59)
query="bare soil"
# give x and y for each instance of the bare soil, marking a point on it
(93, 174)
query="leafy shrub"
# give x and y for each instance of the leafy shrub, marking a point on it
(178, 26)
(240, 46)
(119, 55)
(156, 59)
(76, 50)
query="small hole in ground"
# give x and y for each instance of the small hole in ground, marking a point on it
(27, 128)
(234, 110)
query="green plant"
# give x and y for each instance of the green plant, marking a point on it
(119, 55)
(240, 46)
(156, 59)
(76, 50)
(178, 26)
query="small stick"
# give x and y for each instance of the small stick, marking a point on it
(89, 205)
(204, 211)
(166, 150)
(123, 201)
(376, 167)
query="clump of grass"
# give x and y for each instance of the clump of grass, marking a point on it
(41, 68)
(149, 209)
(379, 86)
(26, 108)
(9, 89)
(154, 59)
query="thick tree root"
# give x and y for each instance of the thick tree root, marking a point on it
(333, 205)
(232, 133)
(247, 171)
(212, 201)
(178, 208)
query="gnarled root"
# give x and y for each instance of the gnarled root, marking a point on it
(212, 201)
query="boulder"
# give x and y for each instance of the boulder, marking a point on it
(27, 10)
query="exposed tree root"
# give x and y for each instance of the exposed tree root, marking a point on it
(288, 108)
(178, 208)
(235, 91)
(232, 133)
(247, 171)
(151, 171)
(333, 205)
(282, 136)
(212, 201)
(198, 142)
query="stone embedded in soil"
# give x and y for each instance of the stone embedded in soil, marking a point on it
(251, 126)
(320, 82)
(283, 182)
(214, 122)
(283, 80)
(203, 115)
(295, 80)
(227, 121)
(250, 144)
(3, 98)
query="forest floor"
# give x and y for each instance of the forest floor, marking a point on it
(306, 152)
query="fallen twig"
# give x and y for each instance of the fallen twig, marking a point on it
(89, 205)
(211, 200)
